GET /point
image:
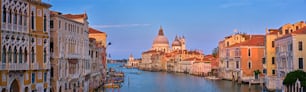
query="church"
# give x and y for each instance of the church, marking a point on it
(162, 57)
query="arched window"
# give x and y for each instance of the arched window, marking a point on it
(15, 55)
(32, 20)
(45, 23)
(20, 55)
(15, 17)
(9, 17)
(9, 55)
(250, 65)
(20, 17)
(25, 18)
(25, 55)
(45, 55)
(32, 55)
(3, 14)
(4, 55)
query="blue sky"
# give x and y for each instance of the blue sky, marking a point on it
(132, 25)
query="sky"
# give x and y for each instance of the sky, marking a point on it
(132, 25)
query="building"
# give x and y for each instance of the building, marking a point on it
(132, 63)
(245, 57)
(24, 46)
(290, 53)
(162, 57)
(270, 63)
(101, 40)
(227, 69)
(69, 47)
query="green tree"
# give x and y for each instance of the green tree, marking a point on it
(215, 52)
(291, 77)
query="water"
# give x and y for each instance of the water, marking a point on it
(175, 82)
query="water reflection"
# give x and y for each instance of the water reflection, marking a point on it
(175, 82)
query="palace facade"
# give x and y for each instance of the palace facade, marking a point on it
(25, 36)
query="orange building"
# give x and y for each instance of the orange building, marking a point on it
(247, 57)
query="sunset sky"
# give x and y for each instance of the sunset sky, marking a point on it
(132, 25)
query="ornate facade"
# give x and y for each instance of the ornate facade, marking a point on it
(25, 40)
(273, 57)
(69, 48)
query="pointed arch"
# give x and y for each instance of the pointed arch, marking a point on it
(25, 55)
(4, 54)
(4, 13)
(20, 55)
(15, 86)
(15, 55)
(9, 55)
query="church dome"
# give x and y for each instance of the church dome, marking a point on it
(161, 38)
(176, 42)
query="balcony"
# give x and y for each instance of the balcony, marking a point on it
(47, 66)
(74, 76)
(34, 66)
(14, 66)
(14, 27)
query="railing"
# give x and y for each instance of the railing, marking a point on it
(34, 66)
(14, 66)
(14, 27)
(47, 66)
(73, 76)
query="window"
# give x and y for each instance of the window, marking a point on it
(51, 72)
(10, 55)
(33, 77)
(263, 60)
(297, 27)
(301, 63)
(59, 24)
(45, 23)
(250, 65)
(237, 64)
(4, 55)
(272, 44)
(264, 71)
(300, 45)
(20, 55)
(273, 72)
(9, 17)
(287, 31)
(3, 14)
(32, 20)
(51, 24)
(20, 17)
(32, 55)
(227, 44)
(15, 55)
(273, 60)
(25, 55)
(15, 17)
(45, 55)
(249, 52)
(227, 64)
(45, 76)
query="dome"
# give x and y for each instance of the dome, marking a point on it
(176, 42)
(161, 39)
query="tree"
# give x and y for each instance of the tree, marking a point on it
(256, 72)
(215, 52)
(291, 77)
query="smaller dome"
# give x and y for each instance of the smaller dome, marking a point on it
(176, 42)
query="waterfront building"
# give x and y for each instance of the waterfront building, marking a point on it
(24, 43)
(101, 40)
(69, 47)
(289, 53)
(272, 57)
(132, 63)
(245, 57)
(227, 69)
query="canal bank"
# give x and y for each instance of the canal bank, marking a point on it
(140, 81)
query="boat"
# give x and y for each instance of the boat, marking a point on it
(213, 78)
(111, 85)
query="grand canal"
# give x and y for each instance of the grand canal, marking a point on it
(144, 81)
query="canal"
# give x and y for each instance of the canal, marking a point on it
(144, 81)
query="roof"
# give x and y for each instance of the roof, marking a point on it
(92, 30)
(75, 16)
(273, 31)
(255, 40)
(300, 31)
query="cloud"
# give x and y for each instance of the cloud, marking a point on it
(237, 4)
(120, 25)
